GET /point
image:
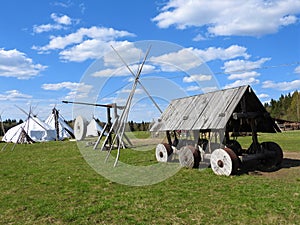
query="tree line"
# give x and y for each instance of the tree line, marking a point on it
(287, 107)
(7, 124)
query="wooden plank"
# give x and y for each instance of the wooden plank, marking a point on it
(208, 111)
(189, 113)
(232, 97)
(232, 104)
(201, 103)
(174, 114)
(213, 110)
(181, 111)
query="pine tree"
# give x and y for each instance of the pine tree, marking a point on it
(293, 109)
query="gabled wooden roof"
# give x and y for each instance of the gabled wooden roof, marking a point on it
(213, 111)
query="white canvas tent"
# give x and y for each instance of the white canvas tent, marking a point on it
(64, 130)
(33, 129)
(93, 129)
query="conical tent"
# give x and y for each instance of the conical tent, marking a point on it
(32, 130)
(93, 129)
(64, 130)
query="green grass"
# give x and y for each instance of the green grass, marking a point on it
(139, 134)
(288, 141)
(50, 183)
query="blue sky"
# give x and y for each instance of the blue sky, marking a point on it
(46, 47)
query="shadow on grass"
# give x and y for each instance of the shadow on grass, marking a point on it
(285, 164)
(289, 163)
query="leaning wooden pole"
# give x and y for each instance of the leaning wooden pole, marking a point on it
(146, 91)
(124, 116)
(56, 125)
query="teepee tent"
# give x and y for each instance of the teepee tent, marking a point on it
(56, 121)
(93, 129)
(32, 130)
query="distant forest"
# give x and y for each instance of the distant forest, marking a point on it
(287, 107)
(7, 124)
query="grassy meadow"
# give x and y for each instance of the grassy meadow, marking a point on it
(50, 183)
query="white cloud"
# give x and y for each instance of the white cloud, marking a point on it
(199, 37)
(189, 58)
(237, 83)
(77, 90)
(227, 17)
(89, 49)
(98, 33)
(287, 20)
(46, 28)
(297, 69)
(209, 89)
(64, 19)
(14, 95)
(105, 73)
(59, 86)
(129, 53)
(282, 86)
(14, 63)
(203, 89)
(213, 53)
(123, 71)
(60, 22)
(66, 4)
(85, 43)
(127, 91)
(245, 75)
(193, 88)
(184, 59)
(263, 95)
(239, 65)
(82, 8)
(197, 77)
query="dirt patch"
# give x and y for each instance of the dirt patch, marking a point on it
(294, 155)
(290, 168)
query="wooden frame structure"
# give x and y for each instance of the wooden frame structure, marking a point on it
(222, 113)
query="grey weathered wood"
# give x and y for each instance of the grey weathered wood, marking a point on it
(211, 111)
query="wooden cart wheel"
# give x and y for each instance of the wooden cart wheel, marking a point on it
(224, 162)
(80, 126)
(235, 146)
(189, 156)
(274, 159)
(162, 152)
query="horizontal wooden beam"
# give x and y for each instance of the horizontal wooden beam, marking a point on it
(250, 115)
(95, 104)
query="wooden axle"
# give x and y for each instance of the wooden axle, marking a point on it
(226, 162)
(250, 115)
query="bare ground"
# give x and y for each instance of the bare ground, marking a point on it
(290, 168)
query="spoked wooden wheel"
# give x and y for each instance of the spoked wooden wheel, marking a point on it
(273, 159)
(162, 152)
(224, 162)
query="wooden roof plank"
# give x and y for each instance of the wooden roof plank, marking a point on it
(212, 110)
(231, 100)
